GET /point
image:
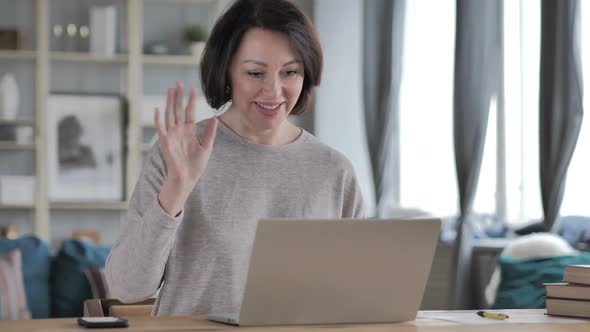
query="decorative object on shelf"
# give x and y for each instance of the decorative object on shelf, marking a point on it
(84, 31)
(196, 36)
(86, 136)
(103, 22)
(9, 97)
(7, 133)
(71, 38)
(57, 41)
(12, 39)
(17, 190)
(157, 48)
(24, 135)
(16, 133)
(84, 40)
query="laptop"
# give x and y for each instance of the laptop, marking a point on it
(336, 272)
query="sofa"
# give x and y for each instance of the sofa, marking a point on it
(55, 283)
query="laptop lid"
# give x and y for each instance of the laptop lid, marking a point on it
(338, 271)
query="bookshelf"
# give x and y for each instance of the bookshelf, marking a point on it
(47, 61)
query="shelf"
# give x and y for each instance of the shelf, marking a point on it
(16, 146)
(17, 55)
(88, 205)
(18, 122)
(16, 207)
(182, 60)
(88, 57)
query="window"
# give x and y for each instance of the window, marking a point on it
(576, 200)
(522, 41)
(509, 184)
(427, 163)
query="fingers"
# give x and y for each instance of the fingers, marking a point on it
(169, 116)
(190, 108)
(179, 91)
(210, 133)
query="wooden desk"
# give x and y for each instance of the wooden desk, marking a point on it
(199, 323)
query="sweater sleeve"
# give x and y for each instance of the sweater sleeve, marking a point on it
(353, 205)
(135, 265)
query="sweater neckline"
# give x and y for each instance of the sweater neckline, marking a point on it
(262, 147)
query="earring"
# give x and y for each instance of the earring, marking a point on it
(227, 91)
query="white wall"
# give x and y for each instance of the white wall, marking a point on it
(338, 112)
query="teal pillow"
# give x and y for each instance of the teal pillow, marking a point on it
(521, 281)
(36, 264)
(69, 285)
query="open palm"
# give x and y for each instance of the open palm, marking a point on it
(186, 155)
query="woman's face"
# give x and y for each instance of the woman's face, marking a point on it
(267, 78)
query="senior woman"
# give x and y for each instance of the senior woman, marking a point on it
(192, 217)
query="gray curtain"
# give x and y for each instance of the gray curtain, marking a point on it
(560, 100)
(382, 62)
(477, 67)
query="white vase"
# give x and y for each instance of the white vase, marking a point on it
(9, 97)
(197, 48)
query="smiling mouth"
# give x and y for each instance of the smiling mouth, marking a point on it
(269, 107)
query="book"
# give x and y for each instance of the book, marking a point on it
(567, 307)
(577, 274)
(564, 290)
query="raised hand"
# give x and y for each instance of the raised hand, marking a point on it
(186, 156)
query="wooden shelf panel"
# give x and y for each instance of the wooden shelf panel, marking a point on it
(16, 146)
(180, 60)
(88, 57)
(16, 207)
(17, 55)
(88, 205)
(18, 122)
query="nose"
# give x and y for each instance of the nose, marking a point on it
(272, 86)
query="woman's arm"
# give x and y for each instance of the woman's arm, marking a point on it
(135, 265)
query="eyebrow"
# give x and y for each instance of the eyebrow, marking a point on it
(260, 63)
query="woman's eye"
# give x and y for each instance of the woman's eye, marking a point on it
(290, 73)
(255, 74)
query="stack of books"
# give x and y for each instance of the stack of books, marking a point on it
(572, 296)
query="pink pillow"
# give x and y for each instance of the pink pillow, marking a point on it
(13, 301)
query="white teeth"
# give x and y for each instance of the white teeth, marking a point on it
(272, 107)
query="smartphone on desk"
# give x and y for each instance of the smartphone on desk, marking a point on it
(102, 322)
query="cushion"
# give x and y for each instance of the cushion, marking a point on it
(521, 281)
(36, 260)
(69, 285)
(13, 301)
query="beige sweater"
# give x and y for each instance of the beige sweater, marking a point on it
(202, 255)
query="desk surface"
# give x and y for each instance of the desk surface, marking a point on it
(427, 321)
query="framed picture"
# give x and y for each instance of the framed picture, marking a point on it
(86, 147)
